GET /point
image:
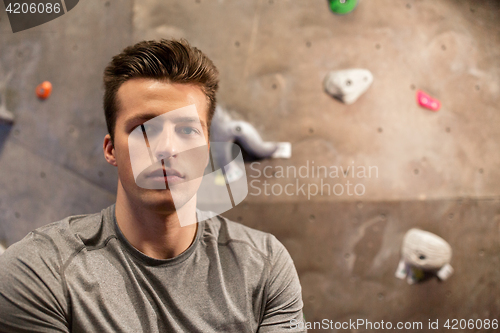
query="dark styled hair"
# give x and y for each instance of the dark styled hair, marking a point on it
(173, 61)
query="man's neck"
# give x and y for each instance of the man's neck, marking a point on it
(157, 235)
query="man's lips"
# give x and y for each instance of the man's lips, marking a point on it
(172, 174)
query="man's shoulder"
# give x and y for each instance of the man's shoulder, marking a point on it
(230, 233)
(58, 239)
(72, 225)
(33, 289)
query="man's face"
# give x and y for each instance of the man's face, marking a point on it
(161, 130)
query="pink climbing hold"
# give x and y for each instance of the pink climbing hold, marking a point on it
(427, 101)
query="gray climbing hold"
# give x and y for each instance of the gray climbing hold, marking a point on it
(424, 252)
(5, 115)
(226, 130)
(348, 84)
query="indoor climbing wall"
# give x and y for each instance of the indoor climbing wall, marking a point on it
(51, 159)
(360, 175)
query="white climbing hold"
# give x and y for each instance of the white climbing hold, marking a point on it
(424, 252)
(5, 115)
(284, 150)
(349, 84)
(226, 130)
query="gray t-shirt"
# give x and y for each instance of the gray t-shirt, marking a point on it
(81, 275)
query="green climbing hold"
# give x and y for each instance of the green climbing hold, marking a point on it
(342, 6)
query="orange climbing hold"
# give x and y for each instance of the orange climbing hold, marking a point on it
(44, 89)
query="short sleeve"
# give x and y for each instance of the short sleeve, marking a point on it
(284, 294)
(32, 296)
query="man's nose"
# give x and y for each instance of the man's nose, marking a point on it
(165, 146)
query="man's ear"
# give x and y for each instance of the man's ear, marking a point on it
(109, 150)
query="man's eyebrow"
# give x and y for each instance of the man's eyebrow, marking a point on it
(176, 120)
(186, 120)
(140, 117)
(190, 120)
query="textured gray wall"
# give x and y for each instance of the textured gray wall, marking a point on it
(51, 160)
(436, 171)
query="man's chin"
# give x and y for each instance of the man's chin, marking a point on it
(157, 200)
(162, 201)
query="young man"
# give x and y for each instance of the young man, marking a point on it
(133, 267)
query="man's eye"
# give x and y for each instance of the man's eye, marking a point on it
(150, 129)
(188, 130)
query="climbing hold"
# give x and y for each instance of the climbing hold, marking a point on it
(342, 6)
(5, 115)
(44, 89)
(284, 150)
(226, 130)
(424, 255)
(347, 85)
(427, 101)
